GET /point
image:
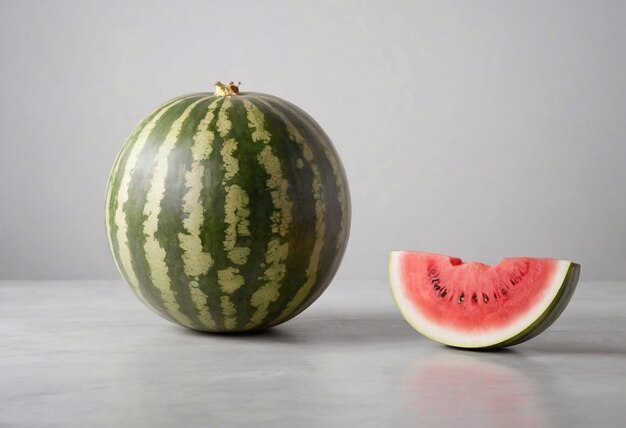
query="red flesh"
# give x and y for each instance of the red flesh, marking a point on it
(477, 297)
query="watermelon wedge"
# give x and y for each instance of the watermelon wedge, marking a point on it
(473, 305)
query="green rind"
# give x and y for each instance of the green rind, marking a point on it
(251, 177)
(302, 230)
(551, 314)
(172, 215)
(299, 235)
(113, 187)
(138, 190)
(213, 196)
(247, 177)
(334, 210)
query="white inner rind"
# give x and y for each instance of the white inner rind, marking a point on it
(464, 339)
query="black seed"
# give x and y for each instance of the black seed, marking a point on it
(495, 295)
(461, 298)
(443, 292)
(436, 287)
(474, 298)
(485, 298)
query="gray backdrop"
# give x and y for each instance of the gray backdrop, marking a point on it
(475, 129)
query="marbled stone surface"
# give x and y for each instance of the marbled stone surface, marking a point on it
(88, 354)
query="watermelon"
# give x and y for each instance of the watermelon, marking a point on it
(473, 305)
(228, 211)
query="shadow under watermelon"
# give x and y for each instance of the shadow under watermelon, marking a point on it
(350, 329)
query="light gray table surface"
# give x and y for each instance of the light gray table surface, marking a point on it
(87, 353)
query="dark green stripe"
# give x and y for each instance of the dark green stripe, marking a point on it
(551, 314)
(252, 178)
(172, 215)
(324, 149)
(213, 196)
(329, 258)
(138, 190)
(301, 234)
(114, 186)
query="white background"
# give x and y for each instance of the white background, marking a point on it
(475, 129)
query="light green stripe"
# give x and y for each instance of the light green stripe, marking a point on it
(197, 262)
(125, 262)
(155, 254)
(277, 251)
(113, 244)
(236, 219)
(115, 169)
(320, 210)
(236, 211)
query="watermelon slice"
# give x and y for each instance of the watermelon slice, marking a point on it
(473, 305)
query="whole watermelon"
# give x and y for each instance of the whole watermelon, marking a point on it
(229, 211)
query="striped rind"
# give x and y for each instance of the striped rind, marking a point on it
(123, 173)
(228, 213)
(320, 211)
